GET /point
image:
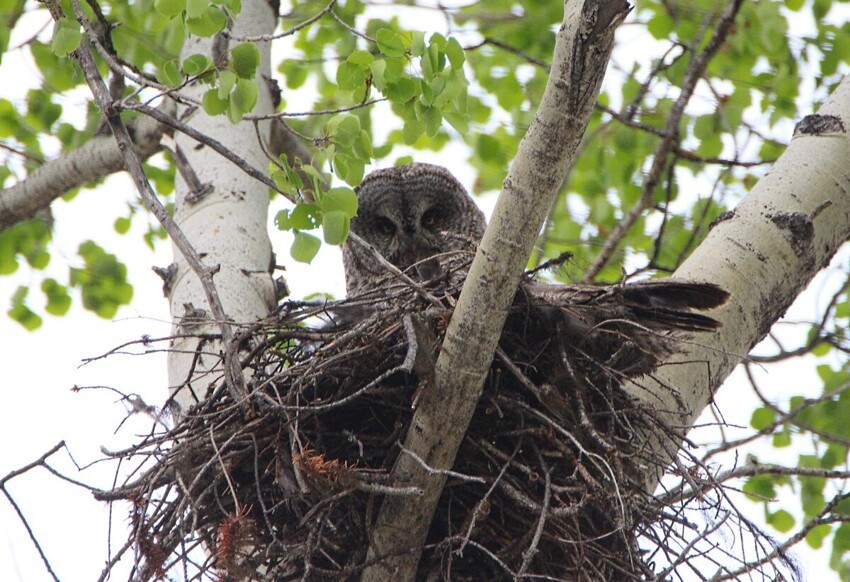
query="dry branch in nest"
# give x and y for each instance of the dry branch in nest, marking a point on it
(548, 481)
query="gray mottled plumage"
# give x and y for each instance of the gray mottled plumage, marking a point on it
(409, 214)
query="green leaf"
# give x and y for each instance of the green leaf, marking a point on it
(413, 128)
(335, 226)
(455, 53)
(196, 8)
(349, 76)
(459, 122)
(242, 100)
(282, 221)
(817, 534)
(58, 300)
(760, 487)
(304, 247)
(781, 520)
(168, 74)
(304, 216)
(841, 541)
(197, 64)
(344, 129)
(394, 69)
(782, 439)
(377, 69)
(294, 72)
(392, 43)
(821, 8)
(363, 146)
(762, 417)
(286, 178)
(710, 147)
(170, 8)
(417, 42)
(433, 121)
(660, 25)
(208, 23)
(41, 111)
(340, 200)
(226, 82)
(213, 104)
(244, 60)
(56, 71)
(348, 168)
(122, 224)
(811, 492)
(360, 57)
(821, 349)
(21, 313)
(317, 179)
(66, 36)
(28, 239)
(103, 281)
(234, 6)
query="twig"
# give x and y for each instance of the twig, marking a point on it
(215, 145)
(235, 380)
(285, 33)
(695, 71)
(531, 551)
(441, 472)
(40, 462)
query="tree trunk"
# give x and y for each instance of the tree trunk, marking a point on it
(227, 226)
(765, 252)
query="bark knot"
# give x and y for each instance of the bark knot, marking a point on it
(820, 125)
(797, 228)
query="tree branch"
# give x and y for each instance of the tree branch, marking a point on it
(95, 159)
(670, 138)
(582, 49)
(765, 252)
(235, 379)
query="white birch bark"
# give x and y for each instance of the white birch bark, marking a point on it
(228, 226)
(784, 232)
(95, 159)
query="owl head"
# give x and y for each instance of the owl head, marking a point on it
(409, 214)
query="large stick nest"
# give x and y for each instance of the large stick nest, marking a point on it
(548, 480)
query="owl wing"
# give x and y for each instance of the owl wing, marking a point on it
(629, 328)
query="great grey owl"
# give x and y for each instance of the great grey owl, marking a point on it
(409, 214)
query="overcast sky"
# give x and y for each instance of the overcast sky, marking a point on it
(40, 369)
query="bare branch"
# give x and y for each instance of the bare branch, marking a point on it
(95, 159)
(670, 134)
(236, 381)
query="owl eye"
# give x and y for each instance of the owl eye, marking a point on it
(385, 226)
(431, 217)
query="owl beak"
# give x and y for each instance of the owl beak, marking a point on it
(429, 269)
(426, 266)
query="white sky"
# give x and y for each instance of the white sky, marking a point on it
(39, 370)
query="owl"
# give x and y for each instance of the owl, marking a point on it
(413, 214)
(409, 214)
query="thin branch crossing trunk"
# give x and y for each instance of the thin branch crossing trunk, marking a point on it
(546, 154)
